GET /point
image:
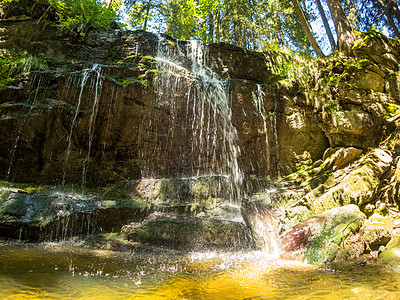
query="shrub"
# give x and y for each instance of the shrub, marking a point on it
(79, 15)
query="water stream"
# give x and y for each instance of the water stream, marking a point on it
(213, 138)
(54, 271)
(258, 99)
(31, 104)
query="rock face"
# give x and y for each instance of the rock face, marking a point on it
(189, 129)
(358, 186)
(190, 232)
(137, 105)
(128, 117)
(55, 215)
(377, 231)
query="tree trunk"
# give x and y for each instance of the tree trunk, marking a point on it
(147, 15)
(389, 17)
(346, 37)
(307, 28)
(392, 8)
(326, 25)
(210, 28)
(217, 26)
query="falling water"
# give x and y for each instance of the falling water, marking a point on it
(18, 136)
(98, 85)
(98, 88)
(214, 149)
(263, 222)
(275, 129)
(258, 98)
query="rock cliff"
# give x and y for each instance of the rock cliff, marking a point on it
(189, 129)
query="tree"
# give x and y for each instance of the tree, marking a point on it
(326, 24)
(346, 37)
(392, 8)
(144, 14)
(307, 28)
(391, 12)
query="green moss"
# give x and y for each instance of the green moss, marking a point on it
(148, 63)
(13, 67)
(323, 248)
(117, 192)
(15, 206)
(141, 80)
(366, 38)
(390, 256)
(193, 209)
(4, 194)
(138, 205)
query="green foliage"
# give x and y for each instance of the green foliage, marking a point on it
(13, 67)
(391, 110)
(248, 24)
(78, 15)
(366, 38)
(145, 14)
(141, 80)
(297, 69)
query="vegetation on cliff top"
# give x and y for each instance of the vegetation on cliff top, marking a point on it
(249, 24)
(13, 67)
(79, 16)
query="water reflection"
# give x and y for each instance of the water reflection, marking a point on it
(53, 271)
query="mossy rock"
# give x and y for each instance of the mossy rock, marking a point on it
(324, 247)
(321, 238)
(208, 192)
(377, 231)
(369, 80)
(293, 216)
(359, 185)
(190, 232)
(391, 255)
(14, 205)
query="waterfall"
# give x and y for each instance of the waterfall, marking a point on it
(21, 127)
(258, 99)
(262, 220)
(97, 86)
(210, 147)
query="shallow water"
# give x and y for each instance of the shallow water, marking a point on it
(54, 271)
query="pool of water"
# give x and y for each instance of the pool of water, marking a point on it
(55, 271)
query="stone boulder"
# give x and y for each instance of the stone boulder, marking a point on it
(322, 238)
(354, 127)
(358, 186)
(339, 159)
(377, 231)
(190, 232)
(391, 255)
(57, 215)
